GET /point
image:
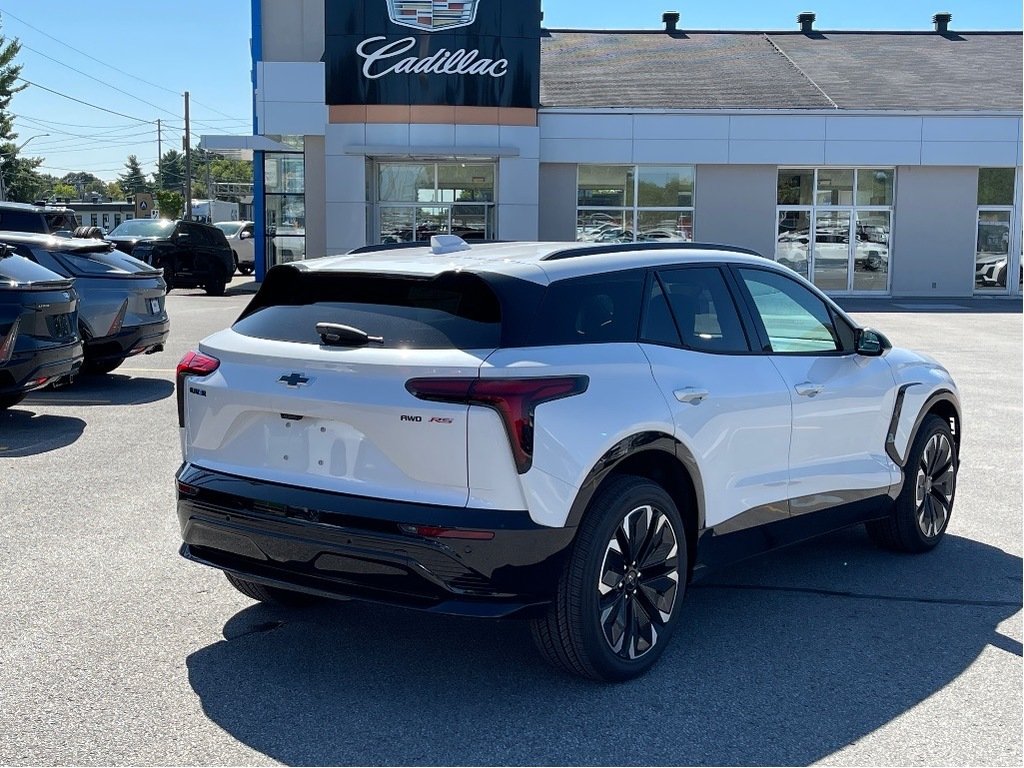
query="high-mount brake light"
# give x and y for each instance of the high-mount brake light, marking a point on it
(514, 400)
(192, 364)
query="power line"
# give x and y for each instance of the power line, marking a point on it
(96, 79)
(70, 125)
(105, 64)
(86, 103)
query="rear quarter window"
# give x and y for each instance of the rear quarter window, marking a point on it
(598, 309)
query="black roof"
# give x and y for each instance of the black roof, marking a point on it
(979, 71)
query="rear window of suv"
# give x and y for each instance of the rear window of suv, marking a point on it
(452, 311)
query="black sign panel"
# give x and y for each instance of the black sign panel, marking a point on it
(466, 53)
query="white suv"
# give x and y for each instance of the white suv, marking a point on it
(568, 433)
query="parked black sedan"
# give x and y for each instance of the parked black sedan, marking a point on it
(39, 342)
(192, 255)
(121, 312)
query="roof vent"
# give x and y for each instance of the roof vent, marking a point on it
(442, 244)
(671, 20)
(941, 21)
(806, 21)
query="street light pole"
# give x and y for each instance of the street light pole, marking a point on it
(3, 184)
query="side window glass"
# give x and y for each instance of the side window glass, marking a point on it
(795, 319)
(659, 327)
(591, 310)
(704, 310)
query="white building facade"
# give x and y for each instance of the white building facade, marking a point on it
(795, 144)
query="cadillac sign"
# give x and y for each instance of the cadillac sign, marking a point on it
(482, 53)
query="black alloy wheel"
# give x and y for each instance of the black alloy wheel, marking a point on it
(618, 599)
(638, 582)
(924, 506)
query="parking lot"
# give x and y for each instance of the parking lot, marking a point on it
(115, 650)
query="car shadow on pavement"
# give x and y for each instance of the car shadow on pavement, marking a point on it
(769, 667)
(107, 389)
(24, 432)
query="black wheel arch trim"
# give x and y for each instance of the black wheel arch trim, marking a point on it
(630, 447)
(939, 396)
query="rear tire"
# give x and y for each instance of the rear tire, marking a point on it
(284, 598)
(101, 367)
(9, 401)
(216, 286)
(619, 597)
(922, 510)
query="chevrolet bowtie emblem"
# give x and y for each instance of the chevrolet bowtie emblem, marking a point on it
(295, 380)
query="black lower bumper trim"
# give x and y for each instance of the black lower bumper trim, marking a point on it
(348, 546)
(137, 339)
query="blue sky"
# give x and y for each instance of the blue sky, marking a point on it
(136, 57)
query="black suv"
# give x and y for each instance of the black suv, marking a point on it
(192, 255)
(41, 219)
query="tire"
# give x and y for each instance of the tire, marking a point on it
(9, 401)
(215, 286)
(245, 269)
(874, 261)
(922, 510)
(284, 598)
(572, 635)
(1001, 278)
(234, 256)
(102, 367)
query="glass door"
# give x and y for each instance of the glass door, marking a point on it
(830, 264)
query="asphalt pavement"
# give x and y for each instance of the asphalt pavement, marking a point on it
(114, 650)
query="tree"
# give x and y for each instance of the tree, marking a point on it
(170, 203)
(10, 167)
(113, 190)
(133, 179)
(65, 191)
(85, 184)
(171, 171)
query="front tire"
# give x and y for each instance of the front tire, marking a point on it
(284, 598)
(216, 286)
(9, 401)
(619, 596)
(922, 510)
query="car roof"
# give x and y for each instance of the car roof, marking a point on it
(52, 242)
(33, 208)
(537, 262)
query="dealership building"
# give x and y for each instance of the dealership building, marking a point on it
(874, 163)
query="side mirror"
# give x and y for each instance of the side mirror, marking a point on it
(245, 236)
(871, 343)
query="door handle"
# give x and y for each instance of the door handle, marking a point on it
(808, 389)
(691, 395)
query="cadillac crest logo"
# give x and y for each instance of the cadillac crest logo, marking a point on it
(433, 15)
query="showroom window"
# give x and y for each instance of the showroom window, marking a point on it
(992, 259)
(630, 203)
(284, 179)
(418, 200)
(849, 212)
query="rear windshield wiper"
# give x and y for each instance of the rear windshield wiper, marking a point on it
(336, 335)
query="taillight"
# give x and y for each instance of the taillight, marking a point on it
(513, 399)
(192, 364)
(115, 327)
(7, 345)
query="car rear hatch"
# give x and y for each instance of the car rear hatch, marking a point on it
(328, 409)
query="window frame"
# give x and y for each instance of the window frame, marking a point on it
(1013, 255)
(634, 209)
(746, 323)
(836, 315)
(851, 210)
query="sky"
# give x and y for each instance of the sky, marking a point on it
(136, 58)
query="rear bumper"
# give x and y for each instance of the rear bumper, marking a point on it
(351, 546)
(129, 341)
(24, 370)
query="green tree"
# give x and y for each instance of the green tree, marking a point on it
(85, 184)
(113, 190)
(13, 173)
(67, 191)
(170, 203)
(133, 179)
(171, 171)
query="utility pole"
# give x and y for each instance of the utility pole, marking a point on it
(188, 163)
(159, 156)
